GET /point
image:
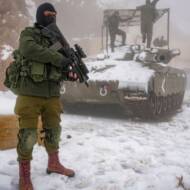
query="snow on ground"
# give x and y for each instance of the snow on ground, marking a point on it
(112, 154)
(5, 52)
(7, 102)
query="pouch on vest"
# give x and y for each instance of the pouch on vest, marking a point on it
(12, 75)
(38, 72)
(55, 74)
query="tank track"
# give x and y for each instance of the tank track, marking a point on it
(155, 106)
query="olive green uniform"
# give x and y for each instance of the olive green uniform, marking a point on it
(28, 108)
(113, 25)
(148, 15)
(35, 77)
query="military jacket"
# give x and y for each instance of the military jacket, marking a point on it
(36, 70)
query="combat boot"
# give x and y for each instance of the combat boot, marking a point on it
(54, 166)
(24, 175)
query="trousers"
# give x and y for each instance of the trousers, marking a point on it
(28, 110)
(147, 31)
(113, 34)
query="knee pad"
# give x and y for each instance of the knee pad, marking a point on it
(27, 138)
(52, 135)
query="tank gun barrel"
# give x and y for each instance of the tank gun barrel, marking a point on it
(175, 52)
(158, 55)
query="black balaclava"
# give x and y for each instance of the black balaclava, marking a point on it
(43, 20)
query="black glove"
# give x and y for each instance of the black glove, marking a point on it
(71, 74)
(66, 62)
(68, 69)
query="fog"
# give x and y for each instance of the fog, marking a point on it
(180, 15)
(179, 20)
(83, 19)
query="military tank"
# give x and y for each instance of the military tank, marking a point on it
(138, 80)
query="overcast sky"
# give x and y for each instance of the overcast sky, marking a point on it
(180, 13)
(91, 19)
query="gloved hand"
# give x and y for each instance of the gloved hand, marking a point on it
(68, 69)
(72, 75)
(66, 62)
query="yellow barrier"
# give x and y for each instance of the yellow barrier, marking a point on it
(9, 131)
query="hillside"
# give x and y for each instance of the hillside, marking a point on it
(13, 17)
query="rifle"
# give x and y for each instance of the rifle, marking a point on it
(76, 54)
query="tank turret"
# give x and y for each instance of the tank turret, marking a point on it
(157, 55)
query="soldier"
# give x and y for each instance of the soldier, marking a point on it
(38, 95)
(160, 42)
(148, 16)
(113, 26)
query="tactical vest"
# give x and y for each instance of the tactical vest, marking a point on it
(27, 77)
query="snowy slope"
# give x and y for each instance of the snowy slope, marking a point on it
(112, 154)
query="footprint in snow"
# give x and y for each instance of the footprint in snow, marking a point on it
(100, 171)
(14, 183)
(82, 183)
(12, 162)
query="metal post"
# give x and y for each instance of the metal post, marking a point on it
(107, 40)
(168, 29)
(102, 37)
